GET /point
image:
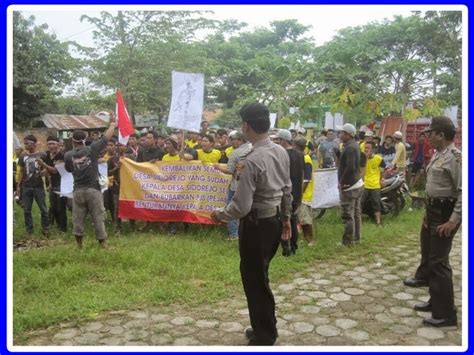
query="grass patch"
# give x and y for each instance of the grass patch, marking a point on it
(60, 283)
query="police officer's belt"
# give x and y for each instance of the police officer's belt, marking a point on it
(264, 212)
(432, 201)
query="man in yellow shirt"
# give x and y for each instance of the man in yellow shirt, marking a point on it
(305, 211)
(171, 147)
(207, 154)
(400, 152)
(192, 140)
(373, 180)
(368, 137)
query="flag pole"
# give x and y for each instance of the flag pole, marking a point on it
(184, 141)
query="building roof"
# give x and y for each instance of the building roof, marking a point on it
(72, 122)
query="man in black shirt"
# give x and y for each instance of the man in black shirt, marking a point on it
(57, 204)
(350, 186)
(150, 152)
(82, 162)
(296, 176)
(30, 184)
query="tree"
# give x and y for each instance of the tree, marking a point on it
(42, 66)
(383, 68)
(140, 49)
(265, 65)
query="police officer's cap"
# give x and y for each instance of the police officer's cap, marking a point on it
(254, 112)
(440, 124)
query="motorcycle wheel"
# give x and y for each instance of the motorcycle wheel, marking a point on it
(391, 206)
(401, 199)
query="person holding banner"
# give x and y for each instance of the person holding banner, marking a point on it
(262, 202)
(242, 148)
(207, 154)
(82, 162)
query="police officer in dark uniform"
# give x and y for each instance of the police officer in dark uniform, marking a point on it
(262, 202)
(441, 221)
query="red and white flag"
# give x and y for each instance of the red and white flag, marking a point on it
(125, 126)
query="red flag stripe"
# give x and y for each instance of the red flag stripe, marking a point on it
(125, 125)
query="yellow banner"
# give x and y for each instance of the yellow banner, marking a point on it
(171, 191)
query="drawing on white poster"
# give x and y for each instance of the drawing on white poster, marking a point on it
(186, 101)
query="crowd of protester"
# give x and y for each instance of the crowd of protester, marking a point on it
(223, 148)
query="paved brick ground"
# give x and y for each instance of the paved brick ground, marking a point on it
(328, 304)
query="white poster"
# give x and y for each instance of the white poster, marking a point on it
(325, 189)
(331, 122)
(338, 120)
(452, 113)
(103, 171)
(273, 117)
(67, 181)
(186, 101)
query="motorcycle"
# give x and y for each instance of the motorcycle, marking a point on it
(392, 194)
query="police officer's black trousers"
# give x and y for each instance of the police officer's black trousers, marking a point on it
(435, 265)
(258, 243)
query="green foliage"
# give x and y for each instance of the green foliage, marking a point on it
(284, 122)
(365, 72)
(141, 49)
(83, 104)
(42, 65)
(229, 118)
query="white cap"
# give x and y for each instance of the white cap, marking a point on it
(369, 134)
(349, 129)
(284, 134)
(301, 130)
(398, 135)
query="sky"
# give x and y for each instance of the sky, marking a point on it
(325, 20)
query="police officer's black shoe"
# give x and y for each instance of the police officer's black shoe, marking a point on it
(413, 282)
(248, 333)
(441, 322)
(257, 342)
(423, 307)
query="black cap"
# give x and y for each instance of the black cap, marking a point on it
(254, 112)
(441, 124)
(79, 135)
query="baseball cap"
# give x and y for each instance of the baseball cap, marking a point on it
(369, 134)
(300, 141)
(284, 134)
(302, 130)
(349, 129)
(398, 135)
